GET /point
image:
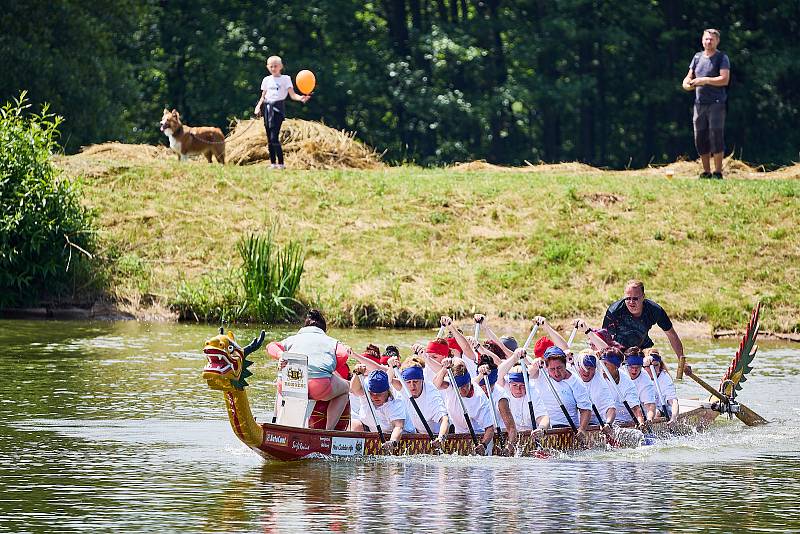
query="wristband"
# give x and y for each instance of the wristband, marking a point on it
(587, 331)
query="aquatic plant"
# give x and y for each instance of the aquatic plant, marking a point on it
(271, 276)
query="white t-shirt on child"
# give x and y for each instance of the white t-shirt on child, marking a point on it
(277, 87)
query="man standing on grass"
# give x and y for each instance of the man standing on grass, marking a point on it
(630, 319)
(708, 76)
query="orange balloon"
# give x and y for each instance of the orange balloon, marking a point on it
(305, 81)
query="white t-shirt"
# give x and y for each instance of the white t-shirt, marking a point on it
(572, 393)
(277, 87)
(601, 395)
(644, 387)
(667, 389)
(391, 410)
(477, 407)
(431, 405)
(628, 391)
(497, 394)
(521, 412)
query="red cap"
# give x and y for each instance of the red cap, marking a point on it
(384, 360)
(453, 344)
(438, 348)
(542, 345)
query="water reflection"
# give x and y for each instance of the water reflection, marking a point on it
(107, 426)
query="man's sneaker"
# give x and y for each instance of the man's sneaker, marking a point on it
(716, 175)
(273, 165)
(704, 175)
(282, 166)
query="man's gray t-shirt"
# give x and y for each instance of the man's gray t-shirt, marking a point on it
(709, 66)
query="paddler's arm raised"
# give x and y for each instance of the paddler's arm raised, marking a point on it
(593, 338)
(466, 347)
(552, 333)
(355, 382)
(439, 380)
(480, 318)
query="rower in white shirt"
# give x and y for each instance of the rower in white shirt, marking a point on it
(477, 406)
(626, 396)
(575, 398)
(501, 415)
(644, 385)
(425, 395)
(389, 411)
(598, 388)
(665, 388)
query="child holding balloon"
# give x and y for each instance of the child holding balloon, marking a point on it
(274, 90)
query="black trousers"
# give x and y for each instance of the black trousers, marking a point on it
(273, 119)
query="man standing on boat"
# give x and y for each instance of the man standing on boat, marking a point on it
(630, 319)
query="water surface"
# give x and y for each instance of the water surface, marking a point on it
(109, 426)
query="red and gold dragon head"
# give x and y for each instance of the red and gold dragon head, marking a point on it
(227, 367)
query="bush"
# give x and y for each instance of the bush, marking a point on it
(46, 235)
(271, 277)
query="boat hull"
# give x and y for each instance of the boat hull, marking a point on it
(289, 443)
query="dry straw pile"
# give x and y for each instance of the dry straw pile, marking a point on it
(306, 145)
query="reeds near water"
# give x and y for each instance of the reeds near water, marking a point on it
(270, 276)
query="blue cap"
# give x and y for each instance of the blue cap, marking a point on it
(378, 381)
(413, 373)
(613, 358)
(509, 342)
(634, 359)
(492, 377)
(590, 361)
(462, 380)
(515, 377)
(554, 352)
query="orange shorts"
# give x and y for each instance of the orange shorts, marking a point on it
(319, 388)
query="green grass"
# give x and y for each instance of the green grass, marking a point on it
(399, 247)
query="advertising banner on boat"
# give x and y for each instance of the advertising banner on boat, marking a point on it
(295, 375)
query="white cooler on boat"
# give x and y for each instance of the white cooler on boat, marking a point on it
(292, 405)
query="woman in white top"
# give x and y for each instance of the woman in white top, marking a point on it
(665, 389)
(274, 90)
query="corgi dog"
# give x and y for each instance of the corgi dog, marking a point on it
(186, 140)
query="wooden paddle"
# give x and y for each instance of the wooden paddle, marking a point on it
(745, 414)
(525, 377)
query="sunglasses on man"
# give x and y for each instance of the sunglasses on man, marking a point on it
(633, 299)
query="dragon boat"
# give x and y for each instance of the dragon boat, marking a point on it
(227, 370)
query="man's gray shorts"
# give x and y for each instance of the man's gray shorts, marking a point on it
(709, 126)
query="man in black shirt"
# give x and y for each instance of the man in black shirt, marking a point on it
(630, 319)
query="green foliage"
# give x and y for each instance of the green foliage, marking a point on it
(271, 277)
(46, 235)
(429, 82)
(212, 297)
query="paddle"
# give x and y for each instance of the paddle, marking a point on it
(525, 377)
(745, 414)
(414, 402)
(463, 406)
(654, 379)
(600, 419)
(488, 385)
(558, 398)
(372, 410)
(616, 389)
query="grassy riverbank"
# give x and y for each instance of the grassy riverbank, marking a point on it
(401, 246)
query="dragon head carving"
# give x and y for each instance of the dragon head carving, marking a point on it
(227, 367)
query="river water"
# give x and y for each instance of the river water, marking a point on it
(109, 426)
